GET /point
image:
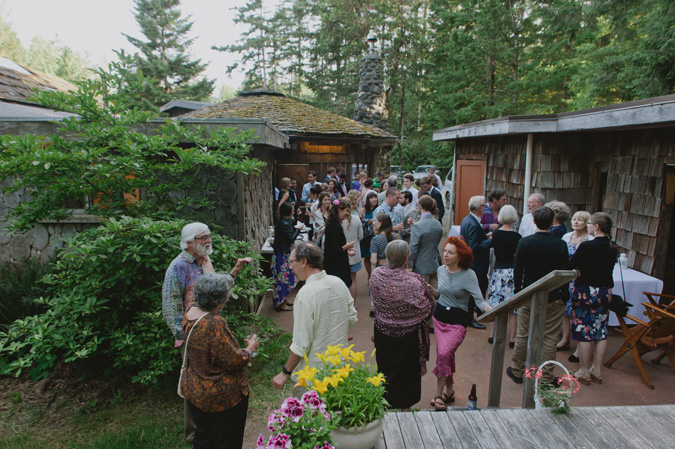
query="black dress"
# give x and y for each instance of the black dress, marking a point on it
(335, 260)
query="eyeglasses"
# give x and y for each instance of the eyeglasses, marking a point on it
(292, 260)
(203, 238)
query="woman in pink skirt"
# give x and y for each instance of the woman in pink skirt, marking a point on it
(457, 284)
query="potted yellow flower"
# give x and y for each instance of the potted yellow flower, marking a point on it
(353, 391)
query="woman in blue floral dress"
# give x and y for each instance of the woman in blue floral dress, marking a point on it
(594, 261)
(284, 237)
(573, 239)
(504, 242)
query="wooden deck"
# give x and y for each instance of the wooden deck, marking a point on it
(649, 426)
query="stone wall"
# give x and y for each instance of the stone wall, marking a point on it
(371, 101)
(243, 208)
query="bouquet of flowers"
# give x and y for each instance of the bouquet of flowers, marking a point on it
(554, 398)
(347, 385)
(299, 423)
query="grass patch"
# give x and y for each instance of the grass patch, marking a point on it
(114, 415)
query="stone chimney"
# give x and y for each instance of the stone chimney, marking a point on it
(371, 101)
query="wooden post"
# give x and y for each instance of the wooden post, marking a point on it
(495, 388)
(535, 342)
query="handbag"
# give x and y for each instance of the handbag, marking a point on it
(182, 368)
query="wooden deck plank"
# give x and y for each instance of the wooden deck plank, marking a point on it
(481, 429)
(548, 422)
(573, 433)
(664, 415)
(392, 432)
(587, 429)
(428, 430)
(532, 425)
(498, 429)
(642, 423)
(409, 430)
(622, 427)
(381, 443)
(463, 429)
(445, 429)
(604, 427)
(519, 433)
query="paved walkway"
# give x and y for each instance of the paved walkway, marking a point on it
(622, 383)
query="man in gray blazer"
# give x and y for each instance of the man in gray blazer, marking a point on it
(409, 213)
(424, 240)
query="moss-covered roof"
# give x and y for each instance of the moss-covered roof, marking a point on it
(288, 116)
(17, 83)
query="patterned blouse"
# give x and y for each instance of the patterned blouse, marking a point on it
(215, 377)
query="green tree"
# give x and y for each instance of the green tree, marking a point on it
(10, 44)
(164, 55)
(111, 159)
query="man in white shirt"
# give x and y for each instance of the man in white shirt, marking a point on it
(322, 312)
(527, 226)
(409, 186)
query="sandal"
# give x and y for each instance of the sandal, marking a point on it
(284, 308)
(595, 377)
(448, 399)
(583, 377)
(438, 404)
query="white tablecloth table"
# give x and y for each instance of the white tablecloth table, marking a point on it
(634, 283)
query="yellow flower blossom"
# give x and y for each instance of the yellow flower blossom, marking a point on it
(320, 386)
(357, 357)
(376, 380)
(334, 380)
(333, 350)
(343, 371)
(334, 359)
(346, 351)
(305, 375)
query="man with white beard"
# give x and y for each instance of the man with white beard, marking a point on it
(178, 289)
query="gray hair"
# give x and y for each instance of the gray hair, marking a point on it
(560, 210)
(539, 197)
(392, 181)
(310, 252)
(396, 252)
(508, 215)
(190, 231)
(475, 202)
(212, 290)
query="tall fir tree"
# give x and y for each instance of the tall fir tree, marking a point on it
(164, 55)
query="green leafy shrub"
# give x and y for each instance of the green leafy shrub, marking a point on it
(20, 285)
(104, 304)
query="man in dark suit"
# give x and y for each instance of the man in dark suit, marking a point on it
(472, 232)
(293, 194)
(425, 184)
(536, 256)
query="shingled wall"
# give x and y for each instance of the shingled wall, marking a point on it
(566, 167)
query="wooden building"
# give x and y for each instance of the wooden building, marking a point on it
(619, 159)
(317, 139)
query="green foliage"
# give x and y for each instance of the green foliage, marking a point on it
(165, 57)
(110, 156)
(104, 303)
(20, 285)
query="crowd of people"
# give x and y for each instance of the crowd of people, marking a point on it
(416, 285)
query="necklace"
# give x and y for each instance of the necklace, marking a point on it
(576, 241)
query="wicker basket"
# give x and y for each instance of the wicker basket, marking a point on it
(538, 405)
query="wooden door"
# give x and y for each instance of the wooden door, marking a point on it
(470, 181)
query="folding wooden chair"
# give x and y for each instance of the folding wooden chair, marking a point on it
(666, 302)
(658, 332)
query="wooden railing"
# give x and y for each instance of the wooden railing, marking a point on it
(537, 294)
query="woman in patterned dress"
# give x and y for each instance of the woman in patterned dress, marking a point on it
(366, 213)
(403, 304)
(215, 383)
(573, 239)
(504, 242)
(594, 262)
(284, 237)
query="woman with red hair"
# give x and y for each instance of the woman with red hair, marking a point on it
(457, 284)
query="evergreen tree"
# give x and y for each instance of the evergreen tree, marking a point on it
(164, 55)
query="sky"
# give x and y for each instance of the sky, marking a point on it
(95, 27)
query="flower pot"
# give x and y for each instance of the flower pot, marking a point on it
(358, 437)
